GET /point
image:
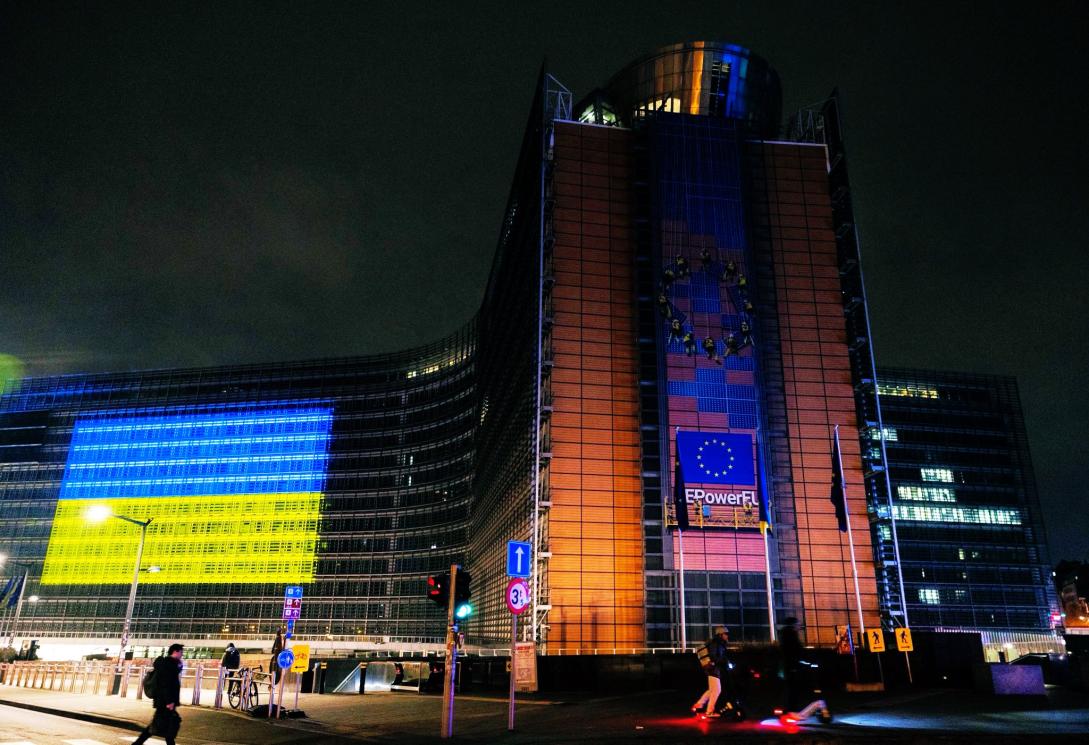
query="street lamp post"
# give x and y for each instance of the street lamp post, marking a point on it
(97, 514)
(19, 603)
(135, 581)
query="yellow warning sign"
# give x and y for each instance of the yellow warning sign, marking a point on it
(903, 640)
(875, 640)
(302, 658)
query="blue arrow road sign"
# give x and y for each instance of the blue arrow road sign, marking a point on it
(519, 557)
(293, 591)
(285, 659)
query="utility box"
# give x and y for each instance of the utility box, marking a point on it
(1009, 680)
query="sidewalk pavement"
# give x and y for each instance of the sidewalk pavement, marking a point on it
(654, 717)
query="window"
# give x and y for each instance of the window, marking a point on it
(929, 595)
(905, 391)
(964, 515)
(925, 493)
(937, 474)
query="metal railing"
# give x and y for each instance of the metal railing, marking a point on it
(102, 677)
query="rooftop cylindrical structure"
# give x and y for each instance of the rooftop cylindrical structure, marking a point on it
(710, 78)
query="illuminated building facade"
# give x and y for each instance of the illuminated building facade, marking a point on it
(968, 518)
(349, 477)
(686, 270)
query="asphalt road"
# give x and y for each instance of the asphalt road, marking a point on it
(23, 727)
(19, 726)
(929, 716)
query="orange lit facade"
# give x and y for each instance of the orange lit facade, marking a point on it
(685, 267)
(595, 520)
(791, 218)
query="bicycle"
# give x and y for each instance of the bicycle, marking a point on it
(235, 682)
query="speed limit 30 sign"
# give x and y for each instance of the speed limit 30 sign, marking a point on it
(517, 595)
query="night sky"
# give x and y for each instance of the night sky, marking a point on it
(203, 183)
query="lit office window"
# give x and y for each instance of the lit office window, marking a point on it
(929, 595)
(926, 493)
(905, 391)
(963, 515)
(937, 474)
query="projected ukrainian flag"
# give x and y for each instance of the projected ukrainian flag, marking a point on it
(234, 496)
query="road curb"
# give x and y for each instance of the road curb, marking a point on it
(80, 715)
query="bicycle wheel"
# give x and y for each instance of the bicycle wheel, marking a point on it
(253, 694)
(234, 694)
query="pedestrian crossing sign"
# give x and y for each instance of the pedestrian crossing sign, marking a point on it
(875, 640)
(903, 640)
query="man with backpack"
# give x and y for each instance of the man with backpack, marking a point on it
(713, 657)
(163, 685)
(230, 663)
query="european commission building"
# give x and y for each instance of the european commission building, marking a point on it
(674, 327)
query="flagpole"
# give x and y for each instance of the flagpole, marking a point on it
(684, 628)
(850, 538)
(680, 545)
(767, 577)
(765, 526)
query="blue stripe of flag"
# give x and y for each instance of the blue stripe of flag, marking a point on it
(257, 452)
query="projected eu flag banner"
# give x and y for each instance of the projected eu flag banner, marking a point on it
(716, 457)
(233, 497)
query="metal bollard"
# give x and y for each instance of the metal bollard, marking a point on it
(196, 683)
(218, 702)
(141, 672)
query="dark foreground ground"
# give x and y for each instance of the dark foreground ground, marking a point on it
(32, 717)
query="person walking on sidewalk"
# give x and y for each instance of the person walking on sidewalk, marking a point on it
(277, 647)
(790, 646)
(716, 665)
(166, 699)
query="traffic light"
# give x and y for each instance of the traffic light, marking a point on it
(462, 607)
(438, 589)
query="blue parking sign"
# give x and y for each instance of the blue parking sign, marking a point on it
(519, 558)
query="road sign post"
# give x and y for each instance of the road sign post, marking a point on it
(293, 595)
(875, 642)
(447, 729)
(519, 558)
(284, 660)
(517, 597)
(904, 644)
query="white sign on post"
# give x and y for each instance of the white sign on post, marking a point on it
(525, 667)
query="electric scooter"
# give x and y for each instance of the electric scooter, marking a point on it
(818, 707)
